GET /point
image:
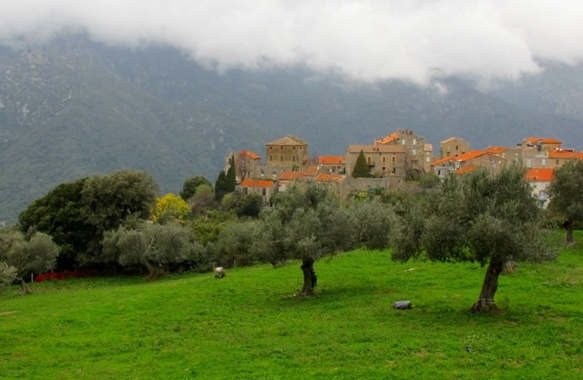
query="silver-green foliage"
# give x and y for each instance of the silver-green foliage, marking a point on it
(152, 245)
(20, 257)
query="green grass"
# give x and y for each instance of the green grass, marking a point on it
(249, 326)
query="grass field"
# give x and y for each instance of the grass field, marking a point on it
(249, 326)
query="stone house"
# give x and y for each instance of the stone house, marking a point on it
(288, 152)
(540, 179)
(382, 160)
(247, 164)
(331, 164)
(452, 147)
(559, 157)
(265, 188)
(467, 162)
(290, 177)
(414, 148)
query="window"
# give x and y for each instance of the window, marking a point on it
(557, 161)
(245, 190)
(528, 164)
(281, 158)
(403, 142)
(414, 141)
(393, 159)
(264, 191)
(544, 162)
(369, 160)
(270, 158)
(384, 160)
(294, 158)
(414, 152)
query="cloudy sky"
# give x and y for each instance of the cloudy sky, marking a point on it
(368, 39)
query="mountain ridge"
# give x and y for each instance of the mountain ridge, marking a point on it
(73, 108)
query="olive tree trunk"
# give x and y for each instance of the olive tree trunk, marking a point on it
(308, 271)
(24, 289)
(485, 303)
(569, 233)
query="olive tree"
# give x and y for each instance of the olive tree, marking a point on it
(152, 246)
(567, 195)
(20, 257)
(305, 224)
(487, 217)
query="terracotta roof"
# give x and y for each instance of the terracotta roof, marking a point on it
(451, 139)
(465, 169)
(496, 149)
(256, 183)
(534, 140)
(375, 148)
(329, 177)
(288, 140)
(311, 171)
(540, 175)
(567, 154)
(249, 154)
(470, 155)
(443, 160)
(387, 139)
(330, 160)
(289, 175)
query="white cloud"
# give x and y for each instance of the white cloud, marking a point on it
(368, 39)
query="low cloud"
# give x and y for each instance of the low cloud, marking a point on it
(368, 40)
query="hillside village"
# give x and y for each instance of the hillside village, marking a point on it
(391, 160)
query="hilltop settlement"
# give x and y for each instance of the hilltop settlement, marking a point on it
(391, 160)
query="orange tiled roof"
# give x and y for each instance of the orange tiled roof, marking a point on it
(451, 139)
(496, 149)
(256, 183)
(248, 153)
(331, 160)
(443, 160)
(311, 171)
(465, 169)
(470, 155)
(540, 175)
(289, 175)
(534, 140)
(567, 154)
(329, 177)
(387, 139)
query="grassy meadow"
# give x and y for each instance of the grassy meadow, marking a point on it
(249, 325)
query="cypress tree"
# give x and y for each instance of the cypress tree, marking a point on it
(361, 169)
(231, 180)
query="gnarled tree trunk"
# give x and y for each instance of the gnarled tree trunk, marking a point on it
(569, 228)
(308, 271)
(485, 303)
(23, 287)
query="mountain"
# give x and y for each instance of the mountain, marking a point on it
(73, 108)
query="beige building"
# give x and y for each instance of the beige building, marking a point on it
(382, 160)
(288, 152)
(264, 188)
(452, 147)
(414, 148)
(247, 164)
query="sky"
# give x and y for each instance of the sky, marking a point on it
(367, 40)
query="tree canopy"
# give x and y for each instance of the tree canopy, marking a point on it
(566, 193)
(487, 217)
(191, 185)
(305, 224)
(19, 257)
(77, 214)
